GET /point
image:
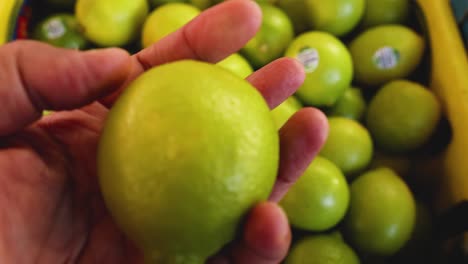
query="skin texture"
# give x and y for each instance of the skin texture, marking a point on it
(50, 203)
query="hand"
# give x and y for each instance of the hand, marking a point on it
(51, 209)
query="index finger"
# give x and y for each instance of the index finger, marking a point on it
(213, 35)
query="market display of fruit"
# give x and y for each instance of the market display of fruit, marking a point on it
(390, 184)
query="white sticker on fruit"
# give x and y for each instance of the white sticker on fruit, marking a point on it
(55, 29)
(386, 58)
(309, 57)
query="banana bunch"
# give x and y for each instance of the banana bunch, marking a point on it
(449, 80)
(9, 11)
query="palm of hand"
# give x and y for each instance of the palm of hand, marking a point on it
(50, 198)
(51, 209)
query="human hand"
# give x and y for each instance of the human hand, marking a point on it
(51, 209)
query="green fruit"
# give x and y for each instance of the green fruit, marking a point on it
(385, 53)
(61, 30)
(319, 199)
(156, 3)
(266, 1)
(185, 152)
(285, 110)
(381, 215)
(297, 13)
(200, 4)
(336, 234)
(337, 17)
(322, 249)
(400, 164)
(328, 66)
(237, 65)
(421, 238)
(165, 20)
(111, 22)
(349, 145)
(402, 116)
(351, 105)
(272, 2)
(273, 37)
(380, 12)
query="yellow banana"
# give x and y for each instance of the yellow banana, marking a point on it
(9, 10)
(449, 80)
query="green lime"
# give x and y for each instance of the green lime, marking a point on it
(384, 53)
(400, 164)
(166, 19)
(181, 165)
(321, 249)
(380, 12)
(272, 2)
(336, 234)
(111, 22)
(297, 13)
(349, 145)
(156, 3)
(285, 110)
(351, 105)
(337, 17)
(421, 238)
(382, 212)
(319, 199)
(328, 66)
(266, 1)
(402, 116)
(200, 4)
(273, 37)
(237, 65)
(61, 30)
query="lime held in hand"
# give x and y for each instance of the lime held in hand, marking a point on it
(186, 151)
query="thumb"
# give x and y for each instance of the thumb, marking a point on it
(35, 76)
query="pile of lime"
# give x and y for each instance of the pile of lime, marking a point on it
(357, 202)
